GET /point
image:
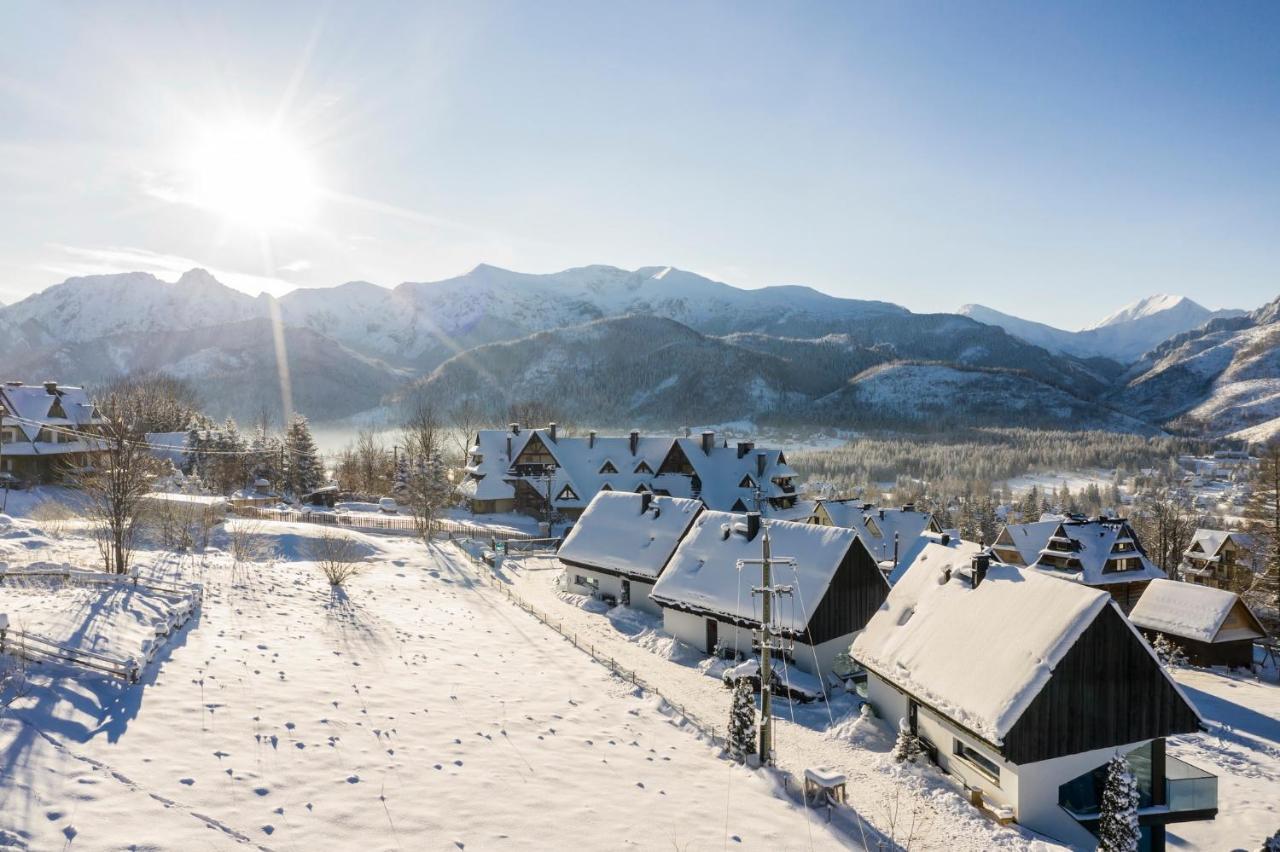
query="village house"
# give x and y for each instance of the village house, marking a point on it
(1102, 552)
(707, 601)
(540, 471)
(1213, 627)
(1022, 687)
(1222, 559)
(893, 536)
(46, 431)
(620, 545)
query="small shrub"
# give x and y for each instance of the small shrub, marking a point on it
(907, 748)
(52, 516)
(337, 555)
(248, 542)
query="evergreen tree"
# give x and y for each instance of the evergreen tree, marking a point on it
(303, 471)
(265, 455)
(1262, 521)
(907, 747)
(1272, 843)
(1169, 652)
(1118, 826)
(742, 720)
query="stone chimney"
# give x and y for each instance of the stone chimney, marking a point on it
(635, 441)
(551, 431)
(708, 441)
(515, 428)
(51, 388)
(981, 562)
(753, 525)
(745, 447)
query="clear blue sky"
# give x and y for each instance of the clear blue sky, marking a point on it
(1054, 160)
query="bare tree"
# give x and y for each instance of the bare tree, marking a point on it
(1166, 525)
(466, 418)
(115, 486)
(1262, 520)
(153, 401)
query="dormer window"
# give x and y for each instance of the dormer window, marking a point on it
(607, 467)
(606, 487)
(644, 468)
(747, 482)
(567, 493)
(56, 410)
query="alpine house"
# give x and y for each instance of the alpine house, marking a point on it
(893, 536)
(706, 594)
(1103, 552)
(1022, 687)
(45, 430)
(620, 545)
(1220, 558)
(534, 470)
(1213, 627)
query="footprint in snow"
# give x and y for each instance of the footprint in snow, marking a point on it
(261, 791)
(188, 781)
(53, 816)
(353, 779)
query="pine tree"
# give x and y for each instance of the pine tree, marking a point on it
(303, 471)
(1272, 843)
(907, 748)
(1262, 521)
(742, 720)
(1118, 826)
(1169, 652)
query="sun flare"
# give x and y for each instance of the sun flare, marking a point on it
(252, 176)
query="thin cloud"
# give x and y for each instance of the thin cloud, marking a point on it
(87, 260)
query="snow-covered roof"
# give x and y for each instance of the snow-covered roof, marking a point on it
(879, 528)
(977, 655)
(586, 466)
(57, 406)
(913, 554)
(1093, 543)
(703, 574)
(619, 533)
(1211, 541)
(1194, 612)
(1027, 539)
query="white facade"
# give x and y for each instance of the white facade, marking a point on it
(692, 630)
(587, 581)
(1029, 790)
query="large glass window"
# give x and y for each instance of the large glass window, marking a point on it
(978, 760)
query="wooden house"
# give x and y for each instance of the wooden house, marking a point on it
(1213, 626)
(892, 535)
(49, 431)
(1221, 559)
(707, 601)
(619, 547)
(1102, 552)
(537, 471)
(1022, 687)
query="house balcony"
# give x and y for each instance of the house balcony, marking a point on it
(1190, 795)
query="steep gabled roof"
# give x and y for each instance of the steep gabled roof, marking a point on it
(615, 534)
(1210, 542)
(703, 574)
(35, 405)
(1027, 539)
(1093, 542)
(1195, 612)
(879, 528)
(931, 630)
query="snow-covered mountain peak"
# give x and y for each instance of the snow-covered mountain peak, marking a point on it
(1152, 306)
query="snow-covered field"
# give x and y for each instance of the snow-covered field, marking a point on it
(1045, 482)
(418, 710)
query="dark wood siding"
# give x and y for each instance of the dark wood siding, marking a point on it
(1107, 691)
(1238, 654)
(856, 592)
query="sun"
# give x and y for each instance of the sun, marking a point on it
(252, 176)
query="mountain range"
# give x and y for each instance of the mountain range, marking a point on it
(656, 346)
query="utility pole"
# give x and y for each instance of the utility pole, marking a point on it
(3, 411)
(771, 638)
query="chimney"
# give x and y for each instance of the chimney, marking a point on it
(515, 428)
(753, 525)
(895, 549)
(882, 514)
(591, 439)
(762, 459)
(981, 562)
(708, 441)
(946, 539)
(508, 447)
(645, 499)
(687, 431)
(51, 388)
(908, 507)
(551, 431)
(743, 448)
(635, 441)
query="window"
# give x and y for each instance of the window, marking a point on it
(606, 487)
(644, 468)
(567, 493)
(977, 760)
(608, 467)
(747, 482)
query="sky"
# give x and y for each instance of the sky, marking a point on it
(1051, 160)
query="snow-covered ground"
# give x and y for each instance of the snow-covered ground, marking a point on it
(1045, 482)
(417, 710)
(1242, 746)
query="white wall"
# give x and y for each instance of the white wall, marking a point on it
(825, 652)
(692, 629)
(1031, 789)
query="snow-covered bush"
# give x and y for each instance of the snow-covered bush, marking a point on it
(248, 542)
(1118, 826)
(1169, 653)
(907, 748)
(742, 720)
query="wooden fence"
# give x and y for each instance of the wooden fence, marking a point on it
(391, 523)
(36, 648)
